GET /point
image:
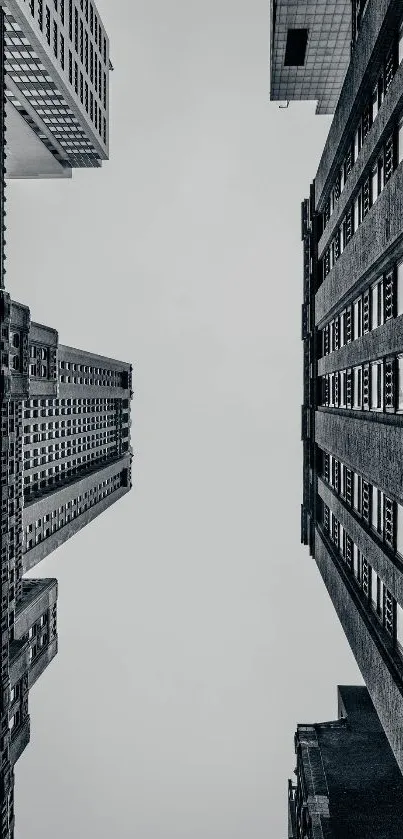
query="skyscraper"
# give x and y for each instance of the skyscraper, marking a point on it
(348, 784)
(57, 87)
(65, 457)
(352, 329)
(65, 452)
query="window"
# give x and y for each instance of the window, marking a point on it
(399, 530)
(399, 627)
(376, 386)
(357, 564)
(357, 372)
(377, 304)
(400, 383)
(357, 318)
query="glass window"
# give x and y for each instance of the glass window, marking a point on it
(374, 589)
(400, 142)
(399, 529)
(400, 289)
(374, 184)
(374, 508)
(358, 318)
(376, 386)
(399, 627)
(356, 563)
(357, 387)
(400, 383)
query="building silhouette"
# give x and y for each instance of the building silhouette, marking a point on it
(348, 784)
(57, 87)
(352, 330)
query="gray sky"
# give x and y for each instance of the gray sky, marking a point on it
(194, 631)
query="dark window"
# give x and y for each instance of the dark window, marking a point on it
(295, 50)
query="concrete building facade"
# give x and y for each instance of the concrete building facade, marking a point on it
(352, 329)
(348, 784)
(57, 87)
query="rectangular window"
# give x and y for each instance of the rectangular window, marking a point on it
(374, 590)
(376, 386)
(376, 304)
(399, 627)
(48, 24)
(374, 512)
(357, 371)
(400, 383)
(399, 289)
(358, 318)
(399, 530)
(357, 564)
(342, 391)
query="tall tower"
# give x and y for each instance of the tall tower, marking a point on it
(352, 330)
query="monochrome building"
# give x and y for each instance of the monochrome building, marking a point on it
(310, 49)
(65, 458)
(352, 329)
(348, 784)
(57, 87)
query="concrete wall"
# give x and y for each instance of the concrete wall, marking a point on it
(379, 23)
(388, 569)
(386, 340)
(377, 240)
(372, 447)
(382, 674)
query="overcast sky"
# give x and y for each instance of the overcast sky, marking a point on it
(194, 631)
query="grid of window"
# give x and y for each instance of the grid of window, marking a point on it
(373, 182)
(26, 70)
(57, 519)
(380, 302)
(70, 437)
(374, 386)
(87, 374)
(367, 117)
(374, 592)
(38, 636)
(380, 513)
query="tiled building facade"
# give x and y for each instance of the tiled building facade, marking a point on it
(352, 327)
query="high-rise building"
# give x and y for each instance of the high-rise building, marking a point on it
(352, 328)
(65, 452)
(65, 457)
(57, 87)
(348, 784)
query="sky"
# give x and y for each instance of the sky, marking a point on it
(194, 630)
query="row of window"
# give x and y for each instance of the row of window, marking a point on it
(43, 527)
(374, 386)
(50, 478)
(373, 590)
(36, 85)
(63, 450)
(92, 373)
(89, 13)
(374, 180)
(382, 301)
(378, 512)
(69, 406)
(366, 119)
